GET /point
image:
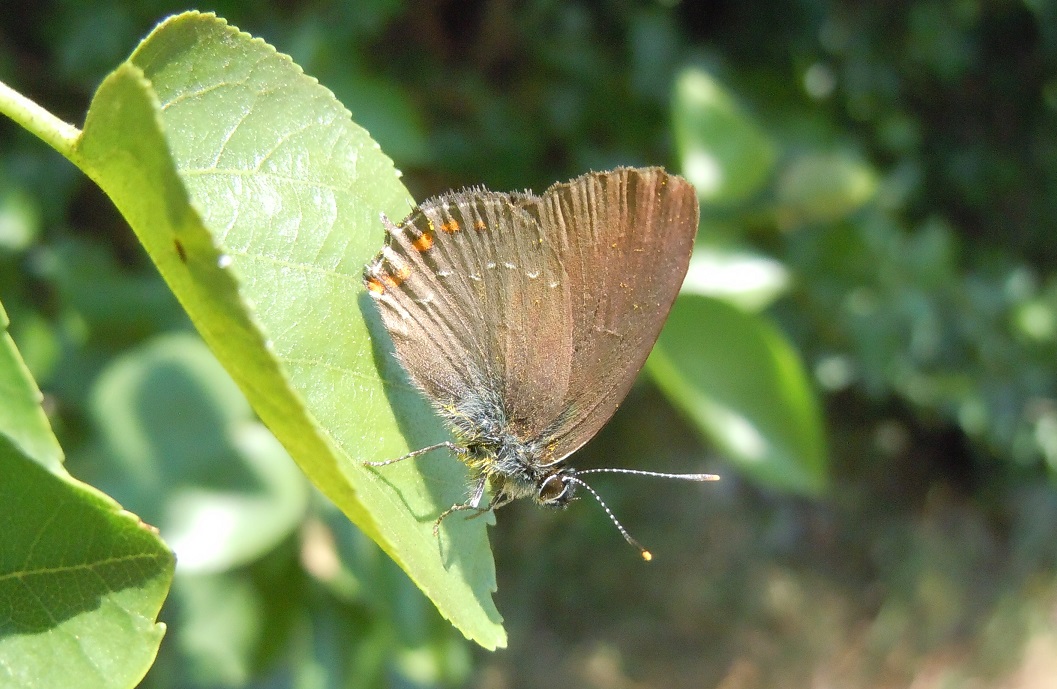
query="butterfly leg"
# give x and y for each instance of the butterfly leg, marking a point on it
(452, 447)
(474, 503)
(498, 501)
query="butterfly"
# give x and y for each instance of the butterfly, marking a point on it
(525, 319)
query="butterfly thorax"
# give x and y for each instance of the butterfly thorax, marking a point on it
(515, 466)
(501, 453)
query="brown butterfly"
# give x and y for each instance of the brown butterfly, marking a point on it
(525, 319)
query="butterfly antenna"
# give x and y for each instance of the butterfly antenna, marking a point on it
(646, 555)
(655, 474)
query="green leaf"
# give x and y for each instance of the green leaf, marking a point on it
(22, 421)
(81, 583)
(218, 627)
(183, 451)
(81, 580)
(259, 200)
(19, 219)
(823, 188)
(740, 381)
(723, 152)
(744, 278)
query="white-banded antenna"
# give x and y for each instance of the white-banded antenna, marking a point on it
(655, 474)
(646, 555)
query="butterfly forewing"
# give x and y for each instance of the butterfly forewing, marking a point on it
(626, 238)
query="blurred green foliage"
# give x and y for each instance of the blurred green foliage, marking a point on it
(894, 166)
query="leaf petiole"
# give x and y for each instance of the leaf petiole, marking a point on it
(60, 135)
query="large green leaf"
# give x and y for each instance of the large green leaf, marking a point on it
(259, 201)
(741, 382)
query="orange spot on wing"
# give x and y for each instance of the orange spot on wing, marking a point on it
(480, 226)
(378, 283)
(402, 274)
(394, 279)
(424, 242)
(451, 227)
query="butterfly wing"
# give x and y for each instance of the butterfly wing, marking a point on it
(477, 301)
(536, 312)
(625, 237)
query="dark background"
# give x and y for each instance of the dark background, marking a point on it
(927, 315)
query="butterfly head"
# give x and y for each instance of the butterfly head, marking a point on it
(557, 489)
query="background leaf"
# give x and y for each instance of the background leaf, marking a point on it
(22, 421)
(725, 155)
(181, 448)
(744, 387)
(823, 188)
(746, 279)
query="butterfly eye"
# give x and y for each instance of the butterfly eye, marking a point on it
(554, 491)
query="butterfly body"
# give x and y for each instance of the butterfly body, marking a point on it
(514, 466)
